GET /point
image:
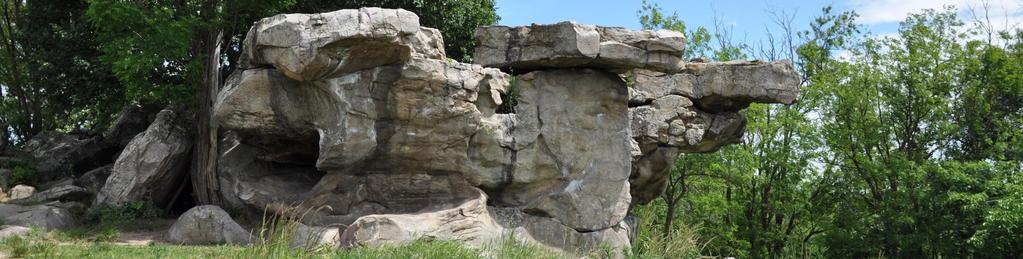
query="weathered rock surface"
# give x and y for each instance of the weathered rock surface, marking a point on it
(309, 47)
(406, 145)
(59, 155)
(207, 225)
(94, 179)
(9, 231)
(66, 192)
(696, 111)
(46, 216)
(720, 87)
(151, 167)
(572, 45)
(21, 191)
(132, 120)
(315, 237)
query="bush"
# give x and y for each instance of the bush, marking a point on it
(120, 216)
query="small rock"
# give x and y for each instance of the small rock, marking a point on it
(207, 224)
(22, 191)
(9, 231)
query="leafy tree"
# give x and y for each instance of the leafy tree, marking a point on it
(51, 75)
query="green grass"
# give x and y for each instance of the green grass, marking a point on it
(272, 240)
(31, 248)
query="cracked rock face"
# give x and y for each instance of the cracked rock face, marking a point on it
(392, 148)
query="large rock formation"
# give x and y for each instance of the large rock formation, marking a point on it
(356, 116)
(152, 166)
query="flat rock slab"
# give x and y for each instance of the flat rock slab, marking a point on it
(48, 216)
(572, 45)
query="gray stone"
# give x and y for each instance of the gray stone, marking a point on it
(207, 225)
(132, 120)
(720, 87)
(572, 45)
(66, 192)
(151, 166)
(309, 47)
(405, 145)
(94, 179)
(47, 216)
(315, 237)
(58, 155)
(9, 231)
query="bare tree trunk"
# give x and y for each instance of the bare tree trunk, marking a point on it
(4, 135)
(205, 184)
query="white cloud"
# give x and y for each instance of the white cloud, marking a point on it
(1003, 13)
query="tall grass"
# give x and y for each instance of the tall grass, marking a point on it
(683, 240)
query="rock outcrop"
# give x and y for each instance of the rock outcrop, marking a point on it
(355, 116)
(207, 225)
(46, 216)
(56, 155)
(151, 167)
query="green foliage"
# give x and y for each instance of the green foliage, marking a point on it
(51, 71)
(22, 174)
(22, 171)
(697, 41)
(905, 146)
(511, 99)
(130, 216)
(682, 241)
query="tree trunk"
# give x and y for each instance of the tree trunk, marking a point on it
(205, 183)
(4, 136)
(669, 219)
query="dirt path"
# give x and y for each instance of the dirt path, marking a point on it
(139, 238)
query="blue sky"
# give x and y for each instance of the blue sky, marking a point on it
(747, 18)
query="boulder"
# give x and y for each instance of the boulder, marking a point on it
(47, 216)
(94, 179)
(22, 192)
(472, 222)
(572, 45)
(56, 155)
(207, 225)
(9, 231)
(315, 237)
(467, 221)
(152, 165)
